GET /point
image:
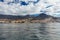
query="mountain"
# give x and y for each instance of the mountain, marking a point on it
(42, 16)
(38, 16)
(10, 17)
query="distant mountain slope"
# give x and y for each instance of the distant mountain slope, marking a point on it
(39, 16)
(10, 17)
(43, 16)
(31, 18)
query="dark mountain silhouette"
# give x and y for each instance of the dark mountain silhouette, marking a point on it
(14, 17)
(10, 17)
(42, 16)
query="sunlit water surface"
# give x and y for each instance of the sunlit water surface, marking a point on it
(30, 31)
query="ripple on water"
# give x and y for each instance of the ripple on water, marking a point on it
(31, 31)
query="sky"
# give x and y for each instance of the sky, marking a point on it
(24, 7)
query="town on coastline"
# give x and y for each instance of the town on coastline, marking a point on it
(42, 18)
(30, 20)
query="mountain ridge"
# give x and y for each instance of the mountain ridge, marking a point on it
(39, 16)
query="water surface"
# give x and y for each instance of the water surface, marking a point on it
(30, 31)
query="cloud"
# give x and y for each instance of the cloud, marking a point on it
(51, 7)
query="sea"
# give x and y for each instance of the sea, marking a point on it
(29, 31)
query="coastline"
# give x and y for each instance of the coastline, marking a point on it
(48, 20)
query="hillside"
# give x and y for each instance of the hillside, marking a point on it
(29, 18)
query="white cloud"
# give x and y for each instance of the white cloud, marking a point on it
(17, 9)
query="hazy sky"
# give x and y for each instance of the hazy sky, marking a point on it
(23, 7)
